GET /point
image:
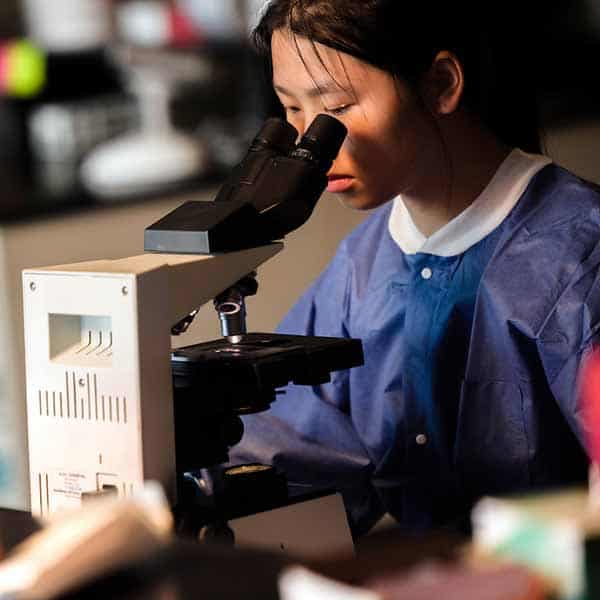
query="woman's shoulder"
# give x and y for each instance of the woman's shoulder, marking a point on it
(556, 197)
(550, 254)
(558, 216)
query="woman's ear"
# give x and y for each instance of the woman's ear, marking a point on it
(443, 84)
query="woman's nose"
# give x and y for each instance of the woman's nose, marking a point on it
(303, 123)
(299, 125)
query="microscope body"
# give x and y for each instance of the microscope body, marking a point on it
(98, 361)
(110, 405)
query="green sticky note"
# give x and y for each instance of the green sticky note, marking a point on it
(26, 72)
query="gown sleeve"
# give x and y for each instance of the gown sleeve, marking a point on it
(308, 431)
(570, 333)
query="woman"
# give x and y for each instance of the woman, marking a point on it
(473, 285)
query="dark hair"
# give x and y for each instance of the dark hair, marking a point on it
(403, 38)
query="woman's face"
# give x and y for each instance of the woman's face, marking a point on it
(390, 134)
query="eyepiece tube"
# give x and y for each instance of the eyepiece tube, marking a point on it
(322, 141)
(277, 135)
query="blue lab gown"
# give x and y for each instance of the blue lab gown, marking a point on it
(469, 381)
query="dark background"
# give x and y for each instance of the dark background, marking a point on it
(547, 76)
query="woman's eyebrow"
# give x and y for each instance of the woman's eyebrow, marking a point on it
(282, 90)
(319, 89)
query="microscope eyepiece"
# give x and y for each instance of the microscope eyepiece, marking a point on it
(272, 191)
(277, 135)
(322, 141)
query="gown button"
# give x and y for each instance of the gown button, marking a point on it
(421, 439)
(426, 273)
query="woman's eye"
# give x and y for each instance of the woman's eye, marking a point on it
(339, 110)
(291, 109)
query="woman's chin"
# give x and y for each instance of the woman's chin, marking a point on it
(360, 201)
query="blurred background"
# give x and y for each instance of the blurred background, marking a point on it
(122, 99)
(114, 112)
(178, 76)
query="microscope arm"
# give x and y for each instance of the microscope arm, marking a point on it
(190, 280)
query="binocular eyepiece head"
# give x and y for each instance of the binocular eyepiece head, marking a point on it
(270, 193)
(320, 143)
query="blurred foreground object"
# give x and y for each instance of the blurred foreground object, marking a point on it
(426, 582)
(590, 391)
(461, 582)
(556, 534)
(590, 385)
(298, 583)
(106, 534)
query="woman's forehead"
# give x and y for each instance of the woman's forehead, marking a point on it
(300, 60)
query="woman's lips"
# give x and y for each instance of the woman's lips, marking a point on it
(338, 184)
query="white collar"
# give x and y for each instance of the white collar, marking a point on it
(479, 219)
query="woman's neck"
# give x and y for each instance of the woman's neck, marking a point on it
(467, 158)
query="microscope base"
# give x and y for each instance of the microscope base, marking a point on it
(307, 528)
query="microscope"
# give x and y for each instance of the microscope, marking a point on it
(110, 405)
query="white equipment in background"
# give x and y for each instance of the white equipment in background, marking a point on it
(157, 156)
(99, 386)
